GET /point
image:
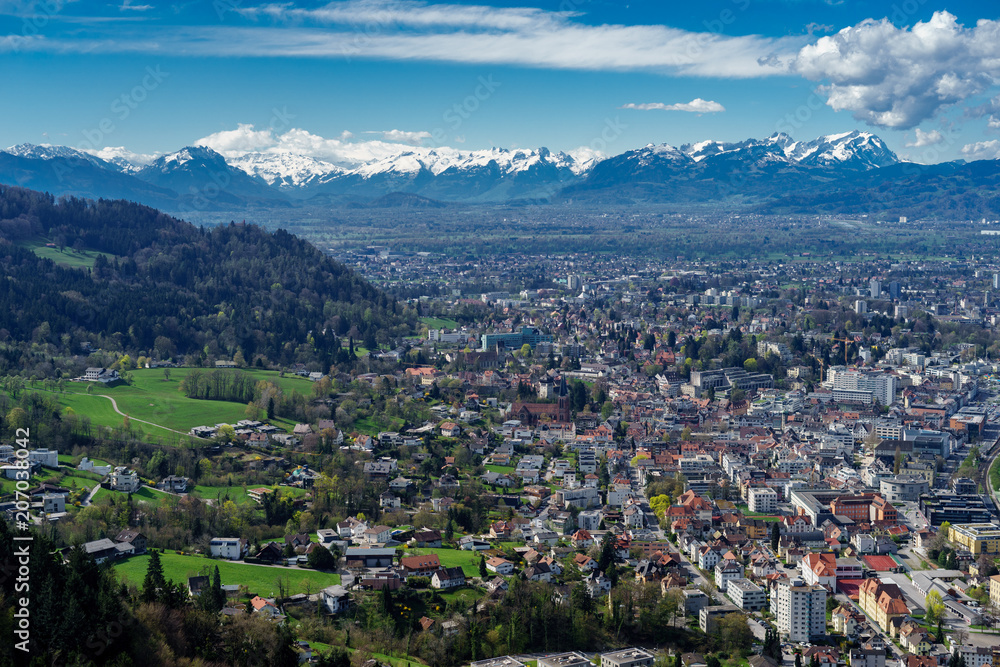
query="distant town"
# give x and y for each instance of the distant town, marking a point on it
(578, 458)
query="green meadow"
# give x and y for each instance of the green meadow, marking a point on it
(259, 579)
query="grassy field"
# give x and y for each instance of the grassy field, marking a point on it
(260, 579)
(320, 648)
(501, 470)
(238, 495)
(66, 257)
(374, 426)
(155, 399)
(439, 323)
(467, 560)
(469, 595)
(145, 494)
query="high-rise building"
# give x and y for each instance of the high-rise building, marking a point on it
(875, 288)
(996, 281)
(800, 609)
(865, 387)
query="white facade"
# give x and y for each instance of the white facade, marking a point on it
(726, 571)
(800, 610)
(879, 386)
(589, 520)
(230, 548)
(53, 503)
(47, 457)
(125, 480)
(975, 656)
(763, 499)
(746, 595)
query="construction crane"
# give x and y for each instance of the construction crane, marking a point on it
(846, 342)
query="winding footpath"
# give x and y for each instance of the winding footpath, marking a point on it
(114, 404)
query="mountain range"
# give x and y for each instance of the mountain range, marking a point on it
(835, 173)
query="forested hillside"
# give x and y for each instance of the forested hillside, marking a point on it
(165, 288)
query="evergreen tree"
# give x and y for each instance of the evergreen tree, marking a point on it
(154, 585)
(482, 567)
(775, 537)
(217, 595)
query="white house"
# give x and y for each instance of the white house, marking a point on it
(88, 465)
(726, 571)
(597, 584)
(500, 566)
(104, 375)
(47, 457)
(450, 577)
(378, 535)
(335, 599)
(125, 480)
(708, 558)
(231, 548)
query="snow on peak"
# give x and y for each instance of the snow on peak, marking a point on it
(284, 170)
(49, 152)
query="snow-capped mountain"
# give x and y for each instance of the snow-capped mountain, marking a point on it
(286, 171)
(204, 176)
(494, 174)
(704, 171)
(860, 150)
(857, 150)
(127, 161)
(50, 152)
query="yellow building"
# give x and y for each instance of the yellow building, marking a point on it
(995, 589)
(976, 537)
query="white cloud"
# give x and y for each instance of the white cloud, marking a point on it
(697, 105)
(115, 152)
(128, 6)
(19, 42)
(982, 150)
(402, 136)
(898, 77)
(926, 139)
(405, 30)
(244, 139)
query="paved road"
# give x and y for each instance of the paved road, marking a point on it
(90, 496)
(694, 574)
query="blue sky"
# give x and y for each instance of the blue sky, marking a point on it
(353, 80)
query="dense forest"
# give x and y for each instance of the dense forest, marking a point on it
(167, 289)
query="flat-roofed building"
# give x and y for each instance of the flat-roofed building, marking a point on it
(763, 499)
(571, 659)
(709, 617)
(627, 657)
(746, 595)
(800, 610)
(976, 537)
